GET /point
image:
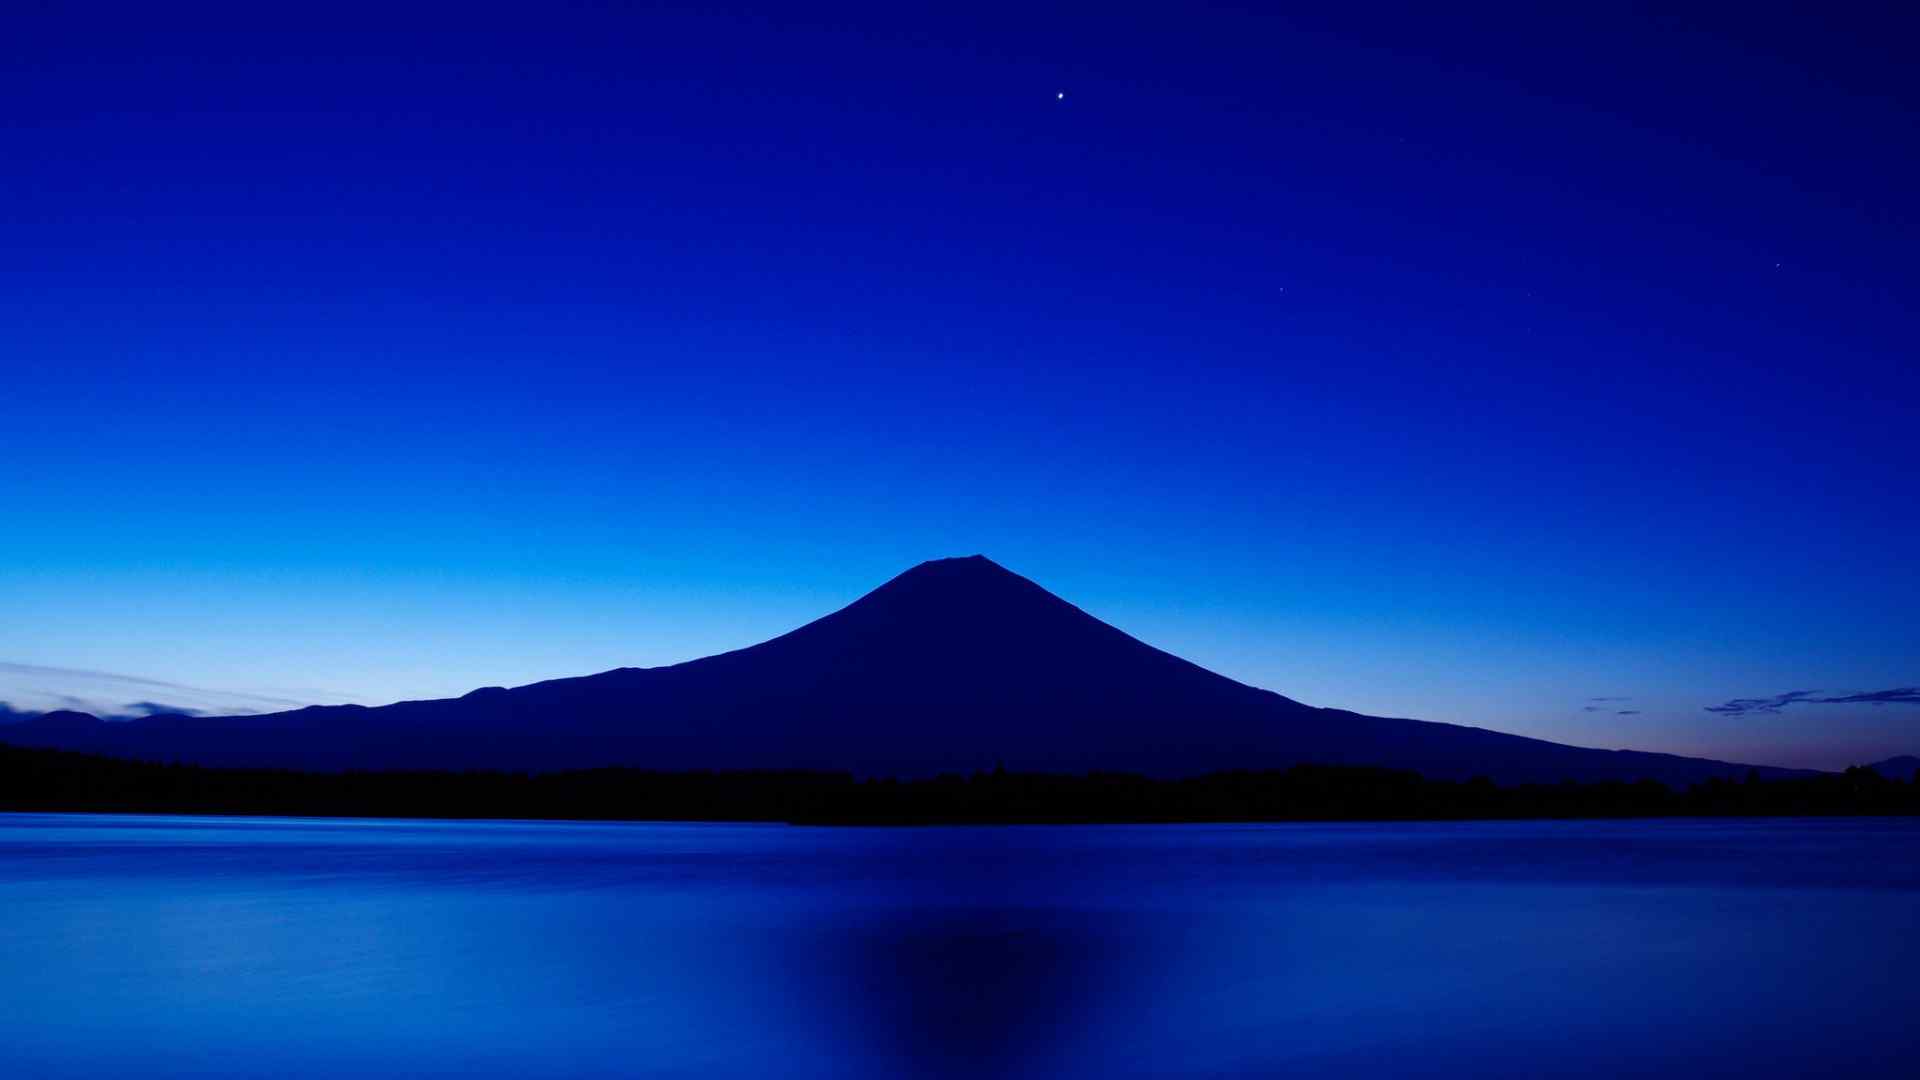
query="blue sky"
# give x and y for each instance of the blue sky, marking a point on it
(1469, 367)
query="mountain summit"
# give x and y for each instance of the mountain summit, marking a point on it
(954, 665)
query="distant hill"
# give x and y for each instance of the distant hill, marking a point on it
(955, 665)
(1897, 768)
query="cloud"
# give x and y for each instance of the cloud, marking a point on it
(154, 708)
(34, 688)
(1628, 712)
(8, 667)
(1905, 695)
(1609, 699)
(1762, 705)
(133, 710)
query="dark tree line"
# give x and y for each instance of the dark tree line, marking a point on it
(57, 780)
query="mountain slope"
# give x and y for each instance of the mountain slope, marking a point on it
(1897, 768)
(956, 664)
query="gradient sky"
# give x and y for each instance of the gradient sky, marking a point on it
(1470, 367)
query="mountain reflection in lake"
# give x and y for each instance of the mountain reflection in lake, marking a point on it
(248, 947)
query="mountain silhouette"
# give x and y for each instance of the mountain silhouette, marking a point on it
(1897, 768)
(955, 665)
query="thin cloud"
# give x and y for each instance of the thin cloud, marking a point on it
(31, 689)
(40, 671)
(1905, 695)
(1628, 712)
(154, 708)
(133, 710)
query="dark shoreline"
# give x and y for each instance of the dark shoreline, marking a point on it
(56, 781)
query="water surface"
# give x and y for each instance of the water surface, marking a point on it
(156, 947)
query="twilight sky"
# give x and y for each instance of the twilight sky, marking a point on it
(1551, 372)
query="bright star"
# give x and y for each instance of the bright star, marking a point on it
(1061, 96)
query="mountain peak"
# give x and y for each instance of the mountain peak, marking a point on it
(960, 564)
(965, 582)
(960, 571)
(955, 664)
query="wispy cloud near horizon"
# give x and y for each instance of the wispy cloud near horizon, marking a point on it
(1607, 704)
(1905, 695)
(31, 689)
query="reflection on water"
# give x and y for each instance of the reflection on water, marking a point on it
(230, 947)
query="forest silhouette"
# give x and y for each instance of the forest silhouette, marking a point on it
(33, 779)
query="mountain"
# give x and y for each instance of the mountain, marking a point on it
(63, 720)
(955, 665)
(1897, 768)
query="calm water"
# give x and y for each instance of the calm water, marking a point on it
(271, 947)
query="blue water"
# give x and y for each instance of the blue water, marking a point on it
(149, 947)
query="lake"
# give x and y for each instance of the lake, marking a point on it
(156, 946)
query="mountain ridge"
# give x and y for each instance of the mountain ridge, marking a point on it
(1902, 767)
(953, 665)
